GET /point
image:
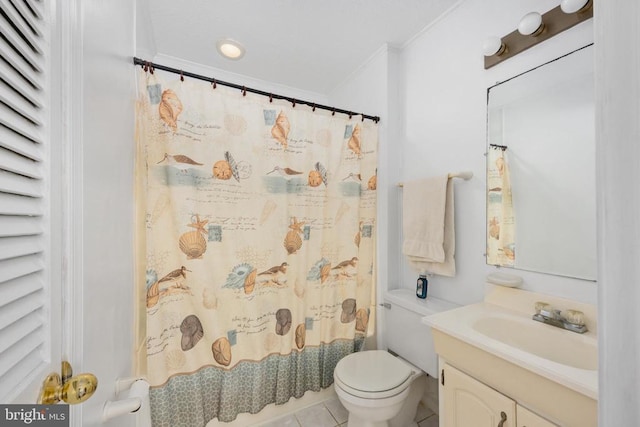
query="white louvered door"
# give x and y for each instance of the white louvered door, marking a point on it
(28, 281)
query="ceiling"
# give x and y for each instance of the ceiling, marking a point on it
(312, 45)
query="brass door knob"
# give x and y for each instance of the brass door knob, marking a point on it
(68, 388)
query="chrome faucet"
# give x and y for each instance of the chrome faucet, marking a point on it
(571, 320)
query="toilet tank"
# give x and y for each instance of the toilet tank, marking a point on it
(406, 334)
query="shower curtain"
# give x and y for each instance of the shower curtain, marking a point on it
(501, 247)
(259, 242)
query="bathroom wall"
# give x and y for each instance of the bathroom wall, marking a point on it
(442, 99)
(617, 154)
(104, 178)
(145, 38)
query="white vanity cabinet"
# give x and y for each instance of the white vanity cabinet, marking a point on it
(469, 403)
(547, 370)
(466, 402)
(526, 418)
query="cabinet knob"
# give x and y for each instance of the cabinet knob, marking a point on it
(503, 418)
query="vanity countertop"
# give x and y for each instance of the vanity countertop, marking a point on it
(565, 357)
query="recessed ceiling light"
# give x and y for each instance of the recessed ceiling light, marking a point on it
(230, 49)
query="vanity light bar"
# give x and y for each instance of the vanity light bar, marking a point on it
(554, 22)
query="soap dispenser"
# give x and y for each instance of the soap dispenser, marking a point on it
(421, 286)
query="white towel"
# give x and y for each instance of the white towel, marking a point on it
(428, 225)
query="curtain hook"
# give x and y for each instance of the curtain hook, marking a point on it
(350, 115)
(333, 112)
(293, 103)
(146, 66)
(314, 107)
(270, 97)
(244, 91)
(151, 69)
(181, 76)
(362, 117)
(214, 84)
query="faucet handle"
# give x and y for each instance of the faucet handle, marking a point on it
(574, 317)
(541, 305)
(546, 310)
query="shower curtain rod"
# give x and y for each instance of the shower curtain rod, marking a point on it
(152, 66)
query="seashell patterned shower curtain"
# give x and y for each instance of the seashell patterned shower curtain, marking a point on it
(259, 236)
(501, 221)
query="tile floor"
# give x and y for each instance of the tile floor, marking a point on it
(331, 413)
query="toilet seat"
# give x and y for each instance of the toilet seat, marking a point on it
(373, 374)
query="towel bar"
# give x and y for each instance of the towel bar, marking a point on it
(466, 175)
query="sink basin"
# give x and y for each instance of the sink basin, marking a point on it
(500, 335)
(548, 342)
(534, 364)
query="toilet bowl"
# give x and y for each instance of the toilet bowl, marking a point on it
(378, 389)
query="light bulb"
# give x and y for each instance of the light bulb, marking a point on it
(573, 6)
(493, 46)
(531, 24)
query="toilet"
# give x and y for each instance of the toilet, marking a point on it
(383, 388)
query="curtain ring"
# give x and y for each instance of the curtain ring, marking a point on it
(244, 91)
(362, 117)
(214, 84)
(181, 76)
(270, 97)
(293, 103)
(151, 69)
(333, 112)
(145, 67)
(350, 115)
(314, 107)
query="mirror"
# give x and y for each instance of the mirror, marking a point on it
(541, 146)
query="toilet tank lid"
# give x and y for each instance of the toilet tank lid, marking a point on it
(407, 298)
(372, 371)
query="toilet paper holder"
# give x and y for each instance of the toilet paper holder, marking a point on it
(137, 396)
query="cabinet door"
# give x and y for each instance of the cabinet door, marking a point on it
(526, 418)
(469, 403)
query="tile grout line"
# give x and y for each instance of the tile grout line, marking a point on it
(337, 424)
(295, 417)
(331, 413)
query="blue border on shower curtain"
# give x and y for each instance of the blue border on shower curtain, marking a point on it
(195, 399)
